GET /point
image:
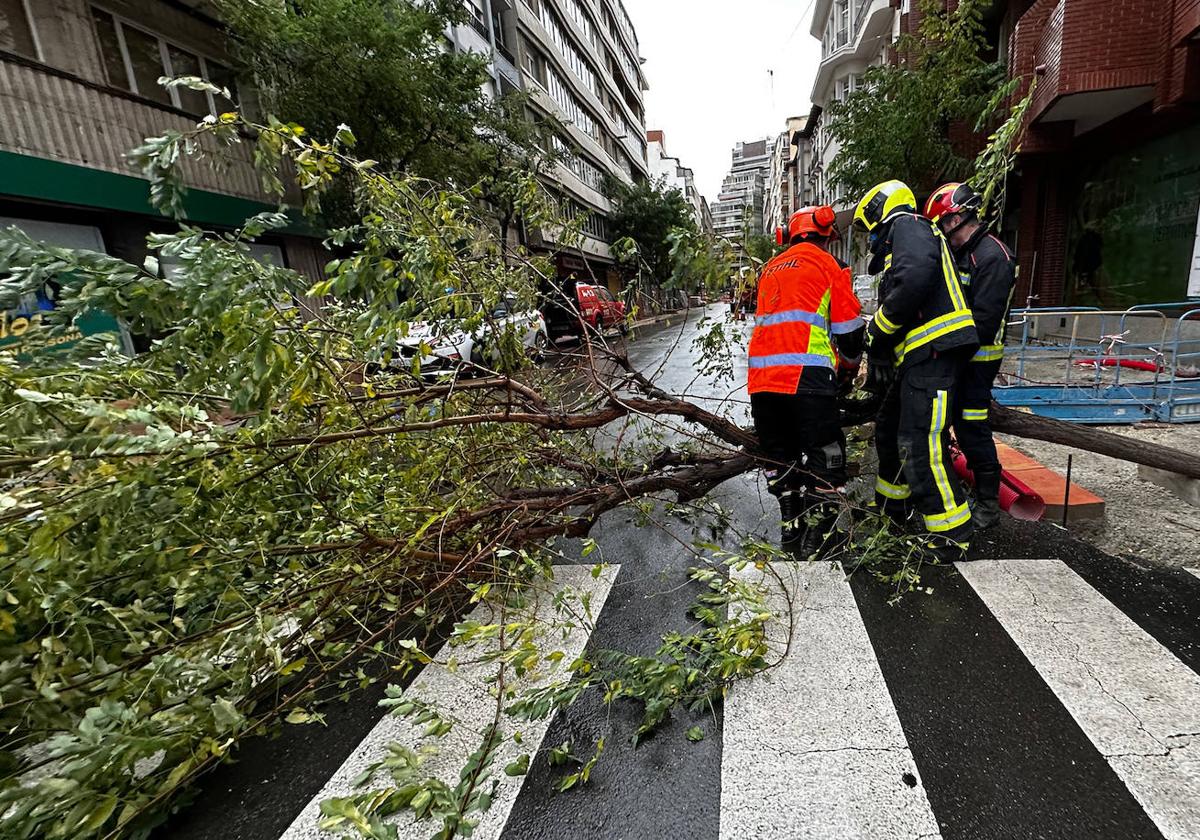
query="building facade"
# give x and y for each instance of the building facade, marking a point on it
(669, 174)
(79, 89)
(854, 35)
(1106, 199)
(579, 61)
(738, 210)
(786, 191)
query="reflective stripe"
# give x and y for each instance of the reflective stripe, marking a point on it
(842, 327)
(791, 316)
(790, 359)
(884, 324)
(937, 466)
(937, 328)
(989, 353)
(950, 275)
(975, 414)
(958, 516)
(899, 492)
(818, 337)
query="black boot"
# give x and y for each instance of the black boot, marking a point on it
(987, 498)
(821, 539)
(791, 512)
(900, 512)
(945, 550)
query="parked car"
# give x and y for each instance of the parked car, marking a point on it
(599, 308)
(450, 349)
(576, 305)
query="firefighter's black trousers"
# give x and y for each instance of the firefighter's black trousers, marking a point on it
(972, 427)
(802, 436)
(912, 438)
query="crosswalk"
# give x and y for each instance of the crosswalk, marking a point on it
(813, 748)
(464, 695)
(841, 741)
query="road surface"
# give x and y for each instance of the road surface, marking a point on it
(1042, 690)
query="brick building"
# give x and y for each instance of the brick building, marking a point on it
(1107, 193)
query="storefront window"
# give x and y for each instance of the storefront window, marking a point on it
(1132, 236)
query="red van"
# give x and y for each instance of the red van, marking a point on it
(599, 308)
(576, 304)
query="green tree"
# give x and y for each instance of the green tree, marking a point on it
(649, 215)
(759, 247)
(379, 66)
(897, 123)
(219, 536)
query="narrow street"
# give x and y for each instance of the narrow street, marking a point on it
(1041, 690)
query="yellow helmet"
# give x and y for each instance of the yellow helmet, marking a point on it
(883, 202)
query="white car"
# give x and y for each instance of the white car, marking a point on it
(451, 349)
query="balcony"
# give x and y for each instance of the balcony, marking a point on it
(51, 114)
(869, 27)
(1085, 77)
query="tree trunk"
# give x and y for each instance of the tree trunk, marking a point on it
(1091, 439)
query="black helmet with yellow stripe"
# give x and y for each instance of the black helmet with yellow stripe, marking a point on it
(882, 203)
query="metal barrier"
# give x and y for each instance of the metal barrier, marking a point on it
(1088, 365)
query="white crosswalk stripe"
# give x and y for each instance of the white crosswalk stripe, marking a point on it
(463, 696)
(814, 748)
(1196, 572)
(1137, 702)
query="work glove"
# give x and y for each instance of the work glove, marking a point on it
(881, 373)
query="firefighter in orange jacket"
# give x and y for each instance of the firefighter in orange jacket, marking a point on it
(806, 347)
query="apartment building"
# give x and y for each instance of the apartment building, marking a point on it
(738, 210)
(579, 61)
(78, 89)
(854, 35)
(668, 173)
(786, 192)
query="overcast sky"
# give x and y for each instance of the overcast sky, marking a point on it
(707, 64)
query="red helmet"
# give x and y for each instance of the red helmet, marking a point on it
(810, 221)
(951, 199)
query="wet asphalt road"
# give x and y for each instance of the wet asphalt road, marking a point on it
(999, 755)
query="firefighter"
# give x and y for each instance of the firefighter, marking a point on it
(805, 349)
(988, 273)
(921, 337)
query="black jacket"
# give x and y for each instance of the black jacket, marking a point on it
(989, 275)
(922, 307)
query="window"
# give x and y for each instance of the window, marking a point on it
(16, 29)
(134, 60)
(534, 63)
(841, 13)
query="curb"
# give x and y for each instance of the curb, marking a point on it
(658, 319)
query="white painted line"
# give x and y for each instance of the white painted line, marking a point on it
(464, 696)
(813, 749)
(1136, 701)
(1196, 572)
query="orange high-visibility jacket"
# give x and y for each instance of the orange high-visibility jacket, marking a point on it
(805, 300)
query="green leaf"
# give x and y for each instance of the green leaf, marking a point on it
(226, 715)
(519, 767)
(293, 667)
(695, 734)
(33, 396)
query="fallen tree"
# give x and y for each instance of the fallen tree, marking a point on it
(1092, 439)
(209, 540)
